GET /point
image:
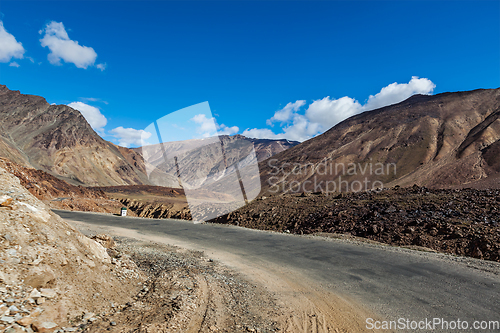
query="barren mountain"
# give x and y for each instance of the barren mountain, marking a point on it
(445, 140)
(202, 159)
(57, 139)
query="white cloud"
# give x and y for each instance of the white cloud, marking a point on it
(92, 114)
(261, 133)
(209, 127)
(224, 130)
(62, 48)
(325, 113)
(101, 66)
(130, 136)
(286, 113)
(93, 99)
(9, 46)
(206, 126)
(14, 64)
(398, 92)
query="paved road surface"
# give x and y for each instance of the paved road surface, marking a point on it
(395, 283)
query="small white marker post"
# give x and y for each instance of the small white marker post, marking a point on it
(124, 211)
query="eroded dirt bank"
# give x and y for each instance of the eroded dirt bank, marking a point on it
(52, 278)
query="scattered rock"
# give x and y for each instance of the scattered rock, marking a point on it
(105, 240)
(45, 327)
(7, 319)
(39, 276)
(48, 293)
(25, 321)
(5, 201)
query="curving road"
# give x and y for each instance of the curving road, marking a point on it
(392, 282)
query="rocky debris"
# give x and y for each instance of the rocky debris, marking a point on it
(50, 274)
(5, 201)
(106, 241)
(184, 291)
(463, 222)
(128, 190)
(157, 210)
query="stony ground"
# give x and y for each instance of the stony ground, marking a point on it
(52, 278)
(185, 292)
(464, 222)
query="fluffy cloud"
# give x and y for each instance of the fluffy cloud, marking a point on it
(286, 113)
(208, 127)
(14, 64)
(92, 114)
(62, 48)
(9, 46)
(325, 113)
(262, 133)
(299, 129)
(130, 136)
(224, 130)
(398, 92)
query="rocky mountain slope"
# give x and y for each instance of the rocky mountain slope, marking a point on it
(205, 159)
(449, 139)
(57, 139)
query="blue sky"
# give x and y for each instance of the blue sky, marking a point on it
(268, 69)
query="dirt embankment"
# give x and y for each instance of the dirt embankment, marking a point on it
(150, 201)
(52, 276)
(157, 210)
(58, 194)
(463, 222)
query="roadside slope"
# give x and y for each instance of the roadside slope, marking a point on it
(50, 274)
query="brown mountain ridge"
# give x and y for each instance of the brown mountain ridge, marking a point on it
(439, 141)
(57, 139)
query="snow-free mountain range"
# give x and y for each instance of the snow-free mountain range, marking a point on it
(443, 140)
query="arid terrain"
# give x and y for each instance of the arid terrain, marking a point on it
(150, 201)
(184, 291)
(58, 194)
(57, 139)
(442, 194)
(51, 275)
